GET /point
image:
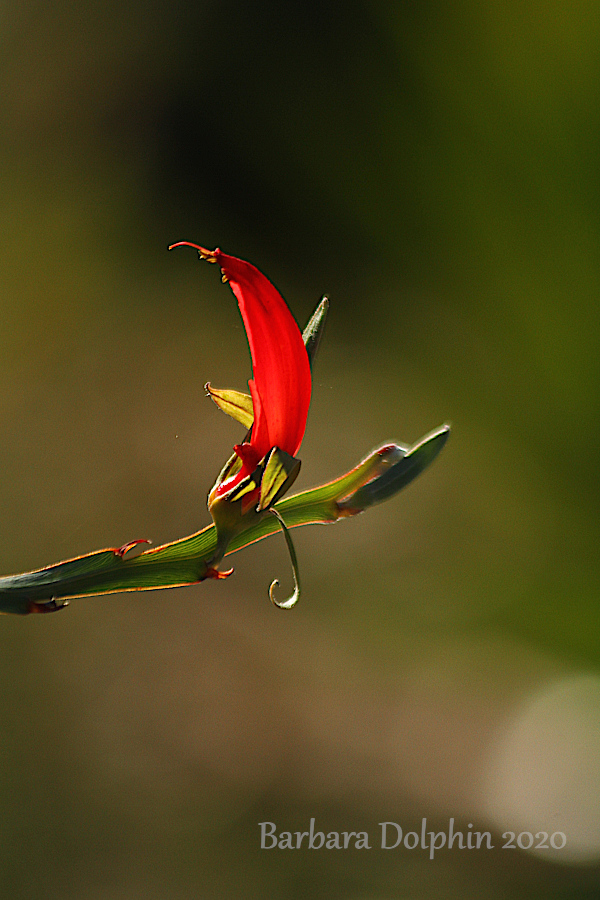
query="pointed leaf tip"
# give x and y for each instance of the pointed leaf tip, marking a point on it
(313, 332)
(234, 403)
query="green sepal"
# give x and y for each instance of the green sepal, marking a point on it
(235, 403)
(231, 468)
(246, 486)
(280, 472)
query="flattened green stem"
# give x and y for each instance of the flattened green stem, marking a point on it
(188, 560)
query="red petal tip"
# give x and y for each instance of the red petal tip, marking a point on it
(209, 255)
(281, 382)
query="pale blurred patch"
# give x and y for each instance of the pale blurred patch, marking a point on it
(544, 770)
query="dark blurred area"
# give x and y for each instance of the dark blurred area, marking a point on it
(434, 170)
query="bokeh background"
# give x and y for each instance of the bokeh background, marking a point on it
(435, 169)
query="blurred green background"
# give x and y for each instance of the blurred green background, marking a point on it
(435, 169)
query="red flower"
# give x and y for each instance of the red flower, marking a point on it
(281, 383)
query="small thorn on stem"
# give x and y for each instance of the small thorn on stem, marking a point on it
(47, 606)
(122, 551)
(216, 574)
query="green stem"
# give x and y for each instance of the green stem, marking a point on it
(186, 561)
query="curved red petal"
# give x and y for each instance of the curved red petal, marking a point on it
(281, 384)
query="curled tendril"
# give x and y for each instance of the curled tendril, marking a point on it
(291, 601)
